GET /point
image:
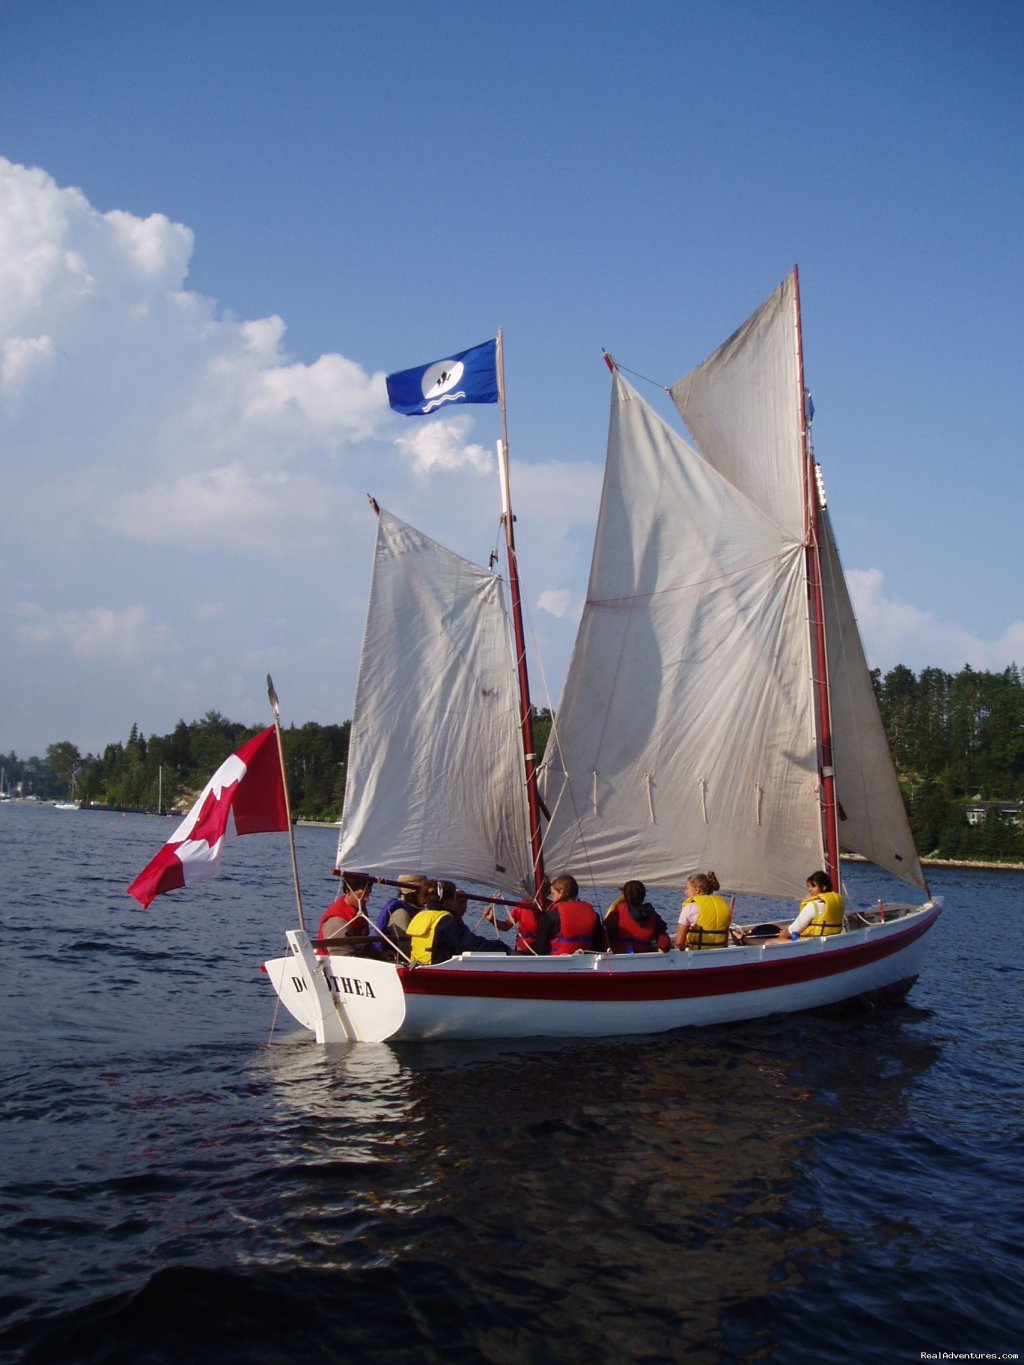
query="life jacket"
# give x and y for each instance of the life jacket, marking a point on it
(381, 920)
(421, 931)
(629, 935)
(339, 910)
(714, 916)
(577, 922)
(526, 925)
(828, 920)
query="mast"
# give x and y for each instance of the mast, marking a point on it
(816, 604)
(522, 673)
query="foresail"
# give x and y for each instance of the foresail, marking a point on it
(435, 771)
(684, 738)
(872, 817)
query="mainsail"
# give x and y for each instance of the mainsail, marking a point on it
(435, 771)
(685, 736)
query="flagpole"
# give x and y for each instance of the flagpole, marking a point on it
(525, 709)
(287, 804)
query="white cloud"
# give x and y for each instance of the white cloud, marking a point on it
(229, 508)
(95, 633)
(442, 445)
(18, 358)
(894, 632)
(157, 247)
(557, 602)
(106, 358)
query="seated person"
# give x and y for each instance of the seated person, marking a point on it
(525, 916)
(437, 932)
(633, 926)
(705, 917)
(820, 914)
(393, 920)
(570, 925)
(346, 918)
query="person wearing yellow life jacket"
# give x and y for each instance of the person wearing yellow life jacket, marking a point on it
(633, 926)
(437, 932)
(705, 917)
(820, 914)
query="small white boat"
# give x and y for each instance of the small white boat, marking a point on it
(718, 712)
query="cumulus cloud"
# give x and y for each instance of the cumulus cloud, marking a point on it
(96, 632)
(894, 632)
(557, 602)
(442, 445)
(103, 346)
(229, 508)
(19, 356)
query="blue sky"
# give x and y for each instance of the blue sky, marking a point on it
(221, 224)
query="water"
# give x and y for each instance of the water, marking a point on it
(173, 1188)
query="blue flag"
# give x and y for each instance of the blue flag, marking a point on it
(469, 377)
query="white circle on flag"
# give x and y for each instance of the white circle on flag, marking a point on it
(438, 379)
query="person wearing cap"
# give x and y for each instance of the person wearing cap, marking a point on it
(393, 920)
(438, 931)
(633, 926)
(346, 917)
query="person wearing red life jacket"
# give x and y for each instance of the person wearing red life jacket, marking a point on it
(633, 926)
(570, 925)
(346, 917)
(526, 918)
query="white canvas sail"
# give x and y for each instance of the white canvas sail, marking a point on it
(872, 817)
(684, 734)
(435, 771)
(742, 407)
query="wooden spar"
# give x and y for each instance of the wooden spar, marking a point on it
(519, 636)
(272, 695)
(816, 602)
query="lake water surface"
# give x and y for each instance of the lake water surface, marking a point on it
(178, 1184)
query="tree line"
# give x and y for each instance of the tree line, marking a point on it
(957, 741)
(166, 773)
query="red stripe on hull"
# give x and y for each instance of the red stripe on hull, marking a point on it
(686, 983)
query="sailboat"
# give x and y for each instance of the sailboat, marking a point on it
(718, 711)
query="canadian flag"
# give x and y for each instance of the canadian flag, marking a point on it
(244, 796)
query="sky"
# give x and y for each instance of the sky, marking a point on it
(223, 223)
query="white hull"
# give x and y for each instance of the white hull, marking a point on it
(593, 995)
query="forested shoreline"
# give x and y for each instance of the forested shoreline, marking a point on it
(957, 741)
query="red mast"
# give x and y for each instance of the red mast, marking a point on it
(525, 710)
(816, 605)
